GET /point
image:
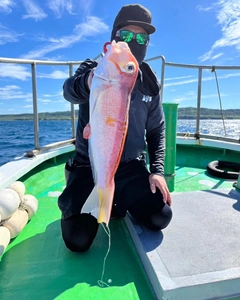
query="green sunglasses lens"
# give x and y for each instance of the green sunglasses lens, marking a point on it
(141, 38)
(126, 36)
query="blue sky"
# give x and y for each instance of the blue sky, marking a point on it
(188, 31)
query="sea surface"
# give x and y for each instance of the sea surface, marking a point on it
(17, 137)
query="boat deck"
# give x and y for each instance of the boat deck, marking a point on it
(198, 255)
(187, 254)
(37, 265)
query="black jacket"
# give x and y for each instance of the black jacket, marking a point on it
(146, 118)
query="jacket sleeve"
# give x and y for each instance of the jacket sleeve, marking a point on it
(155, 136)
(75, 88)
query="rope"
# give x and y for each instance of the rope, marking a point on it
(101, 283)
(220, 100)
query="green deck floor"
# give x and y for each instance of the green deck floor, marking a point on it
(37, 265)
(195, 179)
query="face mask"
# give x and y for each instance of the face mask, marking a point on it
(139, 51)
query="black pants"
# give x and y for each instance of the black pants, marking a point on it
(132, 193)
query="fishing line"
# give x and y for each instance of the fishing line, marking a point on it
(101, 283)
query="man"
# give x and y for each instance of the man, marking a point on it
(142, 193)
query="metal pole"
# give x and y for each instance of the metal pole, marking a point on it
(199, 100)
(35, 108)
(162, 77)
(72, 107)
(171, 116)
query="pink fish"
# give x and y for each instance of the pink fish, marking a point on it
(112, 84)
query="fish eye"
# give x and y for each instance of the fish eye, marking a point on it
(130, 68)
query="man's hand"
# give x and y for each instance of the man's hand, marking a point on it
(157, 181)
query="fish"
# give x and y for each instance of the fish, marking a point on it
(110, 93)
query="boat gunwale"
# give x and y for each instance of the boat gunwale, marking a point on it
(208, 142)
(22, 165)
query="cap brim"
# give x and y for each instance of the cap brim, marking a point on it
(146, 26)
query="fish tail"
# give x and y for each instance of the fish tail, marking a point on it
(105, 203)
(91, 204)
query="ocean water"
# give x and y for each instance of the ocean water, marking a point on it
(17, 137)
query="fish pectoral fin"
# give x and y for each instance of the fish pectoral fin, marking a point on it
(92, 204)
(87, 131)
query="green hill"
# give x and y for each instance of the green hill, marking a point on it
(207, 113)
(183, 113)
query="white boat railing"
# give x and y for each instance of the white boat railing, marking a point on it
(71, 64)
(33, 64)
(200, 68)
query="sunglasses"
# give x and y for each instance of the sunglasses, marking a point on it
(127, 36)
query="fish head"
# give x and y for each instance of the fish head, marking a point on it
(122, 65)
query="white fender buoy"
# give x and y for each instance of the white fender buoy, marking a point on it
(30, 204)
(4, 239)
(16, 222)
(14, 194)
(18, 187)
(9, 202)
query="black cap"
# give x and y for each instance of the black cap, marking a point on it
(133, 14)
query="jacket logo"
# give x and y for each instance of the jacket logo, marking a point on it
(146, 98)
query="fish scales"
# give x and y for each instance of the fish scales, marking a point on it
(113, 82)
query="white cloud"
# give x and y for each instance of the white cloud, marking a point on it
(217, 56)
(225, 76)
(228, 15)
(91, 27)
(28, 100)
(6, 6)
(8, 36)
(10, 92)
(55, 75)
(72, 7)
(14, 71)
(201, 8)
(33, 11)
(59, 94)
(15, 92)
(58, 7)
(181, 82)
(210, 56)
(44, 101)
(23, 73)
(180, 77)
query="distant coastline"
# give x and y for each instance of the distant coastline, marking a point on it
(185, 113)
